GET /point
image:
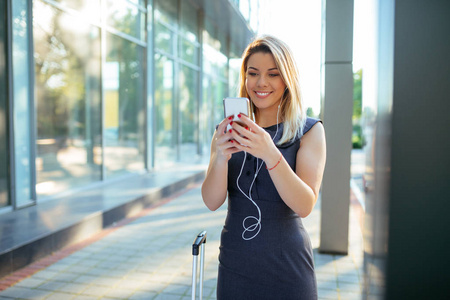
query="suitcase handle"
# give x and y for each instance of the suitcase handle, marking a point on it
(198, 247)
(200, 239)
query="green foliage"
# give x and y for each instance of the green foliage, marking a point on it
(357, 94)
(357, 134)
(310, 112)
(358, 140)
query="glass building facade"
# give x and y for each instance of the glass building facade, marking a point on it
(94, 90)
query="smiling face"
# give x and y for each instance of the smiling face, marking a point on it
(263, 82)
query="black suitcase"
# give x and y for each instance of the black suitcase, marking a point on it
(198, 247)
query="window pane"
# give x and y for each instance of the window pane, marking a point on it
(21, 108)
(167, 11)
(214, 83)
(165, 135)
(220, 93)
(164, 38)
(188, 114)
(189, 21)
(82, 5)
(189, 52)
(140, 2)
(90, 8)
(4, 198)
(124, 107)
(127, 18)
(67, 66)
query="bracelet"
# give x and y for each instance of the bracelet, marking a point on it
(281, 156)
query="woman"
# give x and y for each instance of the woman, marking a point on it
(265, 252)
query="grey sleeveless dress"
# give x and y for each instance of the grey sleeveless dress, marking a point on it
(277, 263)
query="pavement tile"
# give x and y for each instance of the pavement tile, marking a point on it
(349, 278)
(327, 294)
(350, 296)
(85, 279)
(24, 293)
(161, 278)
(30, 282)
(57, 267)
(212, 293)
(176, 289)
(212, 297)
(327, 269)
(325, 277)
(207, 291)
(125, 267)
(182, 280)
(137, 274)
(211, 283)
(60, 296)
(89, 262)
(327, 285)
(349, 287)
(96, 290)
(106, 281)
(45, 274)
(51, 285)
(156, 287)
(73, 288)
(82, 297)
(168, 297)
(119, 293)
(79, 269)
(129, 284)
(114, 273)
(142, 295)
(97, 272)
(69, 260)
(107, 264)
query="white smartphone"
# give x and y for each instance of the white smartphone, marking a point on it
(235, 106)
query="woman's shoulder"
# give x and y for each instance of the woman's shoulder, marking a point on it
(310, 122)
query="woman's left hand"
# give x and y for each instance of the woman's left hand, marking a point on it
(255, 140)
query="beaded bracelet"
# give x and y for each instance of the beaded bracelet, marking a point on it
(276, 163)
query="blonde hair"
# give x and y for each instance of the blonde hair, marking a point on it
(293, 113)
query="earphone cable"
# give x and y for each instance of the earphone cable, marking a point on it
(257, 225)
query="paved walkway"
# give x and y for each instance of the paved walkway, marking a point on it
(149, 257)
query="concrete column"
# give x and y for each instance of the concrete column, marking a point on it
(337, 107)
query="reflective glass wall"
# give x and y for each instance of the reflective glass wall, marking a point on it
(89, 100)
(177, 73)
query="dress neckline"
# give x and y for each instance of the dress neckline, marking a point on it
(274, 127)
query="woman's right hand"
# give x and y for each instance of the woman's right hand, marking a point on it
(223, 145)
